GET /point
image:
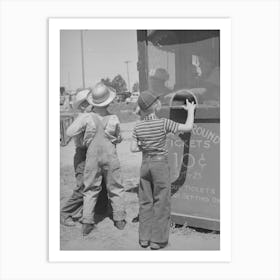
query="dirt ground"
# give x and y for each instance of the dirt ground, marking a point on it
(106, 236)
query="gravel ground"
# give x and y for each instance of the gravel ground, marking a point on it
(105, 236)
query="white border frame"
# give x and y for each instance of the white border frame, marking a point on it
(57, 255)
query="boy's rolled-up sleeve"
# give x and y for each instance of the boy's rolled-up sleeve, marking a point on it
(77, 126)
(83, 123)
(170, 126)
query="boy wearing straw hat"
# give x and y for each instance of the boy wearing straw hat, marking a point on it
(72, 209)
(149, 136)
(102, 133)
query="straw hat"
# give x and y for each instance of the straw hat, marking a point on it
(101, 95)
(81, 97)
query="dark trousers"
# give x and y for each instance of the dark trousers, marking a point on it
(154, 199)
(103, 167)
(74, 205)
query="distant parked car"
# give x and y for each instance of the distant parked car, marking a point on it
(133, 97)
(122, 96)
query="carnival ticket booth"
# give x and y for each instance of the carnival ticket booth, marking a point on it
(191, 59)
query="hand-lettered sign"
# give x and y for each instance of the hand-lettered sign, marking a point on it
(194, 160)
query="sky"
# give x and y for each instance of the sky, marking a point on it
(104, 54)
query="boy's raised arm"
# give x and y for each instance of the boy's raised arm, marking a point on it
(188, 125)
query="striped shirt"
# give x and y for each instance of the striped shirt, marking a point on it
(150, 134)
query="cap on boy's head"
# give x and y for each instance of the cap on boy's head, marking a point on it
(146, 99)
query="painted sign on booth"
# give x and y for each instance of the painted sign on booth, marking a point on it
(194, 160)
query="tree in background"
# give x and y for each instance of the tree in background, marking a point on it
(106, 82)
(119, 84)
(135, 87)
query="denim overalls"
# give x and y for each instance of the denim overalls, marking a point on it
(102, 161)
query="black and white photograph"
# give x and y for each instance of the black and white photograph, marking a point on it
(140, 139)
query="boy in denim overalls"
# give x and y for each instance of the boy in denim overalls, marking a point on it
(102, 133)
(149, 136)
(72, 209)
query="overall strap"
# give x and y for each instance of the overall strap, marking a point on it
(100, 124)
(105, 121)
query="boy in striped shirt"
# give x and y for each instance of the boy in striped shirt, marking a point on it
(149, 136)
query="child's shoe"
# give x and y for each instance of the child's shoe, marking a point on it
(135, 219)
(157, 246)
(144, 243)
(68, 222)
(87, 229)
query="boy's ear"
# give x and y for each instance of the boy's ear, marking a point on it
(137, 110)
(88, 108)
(157, 105)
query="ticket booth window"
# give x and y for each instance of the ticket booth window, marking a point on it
(191, 58)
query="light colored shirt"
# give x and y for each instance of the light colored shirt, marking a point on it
(83, 129)
(150, 134)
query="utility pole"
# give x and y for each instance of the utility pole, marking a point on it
(69, 82)
(127, 70)
(82, 55)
